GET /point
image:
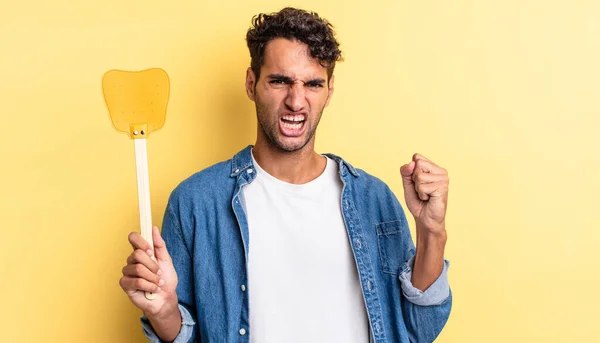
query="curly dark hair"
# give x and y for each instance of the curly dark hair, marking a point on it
(293, 24)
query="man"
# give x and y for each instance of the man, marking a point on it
(281, 244)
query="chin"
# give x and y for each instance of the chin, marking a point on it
(291, 146)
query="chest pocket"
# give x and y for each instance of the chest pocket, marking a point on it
(392, 246)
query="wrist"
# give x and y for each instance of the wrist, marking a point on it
(169, 310)
(167, 322)
(435, 232)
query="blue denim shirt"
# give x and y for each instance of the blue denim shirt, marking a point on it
(206, 232)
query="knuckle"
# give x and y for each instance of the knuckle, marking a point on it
(123, 283)
(139, 268)
(138, 255)
(139, 283)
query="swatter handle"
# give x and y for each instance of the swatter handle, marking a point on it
(143, 182)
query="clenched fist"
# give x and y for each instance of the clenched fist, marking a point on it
(426, 192)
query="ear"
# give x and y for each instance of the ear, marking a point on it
(330, 90)
(250, 83)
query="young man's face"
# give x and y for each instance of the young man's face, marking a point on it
(290, 95)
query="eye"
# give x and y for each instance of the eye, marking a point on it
(314, 85)
(277, 82)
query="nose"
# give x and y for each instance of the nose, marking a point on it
(295, 100)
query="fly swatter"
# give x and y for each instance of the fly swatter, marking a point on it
(137, 104)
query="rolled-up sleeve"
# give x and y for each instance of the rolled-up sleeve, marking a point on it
(186, 334)
(434, 295)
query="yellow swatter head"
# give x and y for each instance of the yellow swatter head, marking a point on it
(136, 100)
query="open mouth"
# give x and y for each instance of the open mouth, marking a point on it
(292, 125)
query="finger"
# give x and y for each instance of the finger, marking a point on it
(138, 270)
(160, 247)
(418, 156)
(139, 256)
(406, 171)
(131, 284)
(426, 166)
(138, 242)
(421, 177)
(431, 190)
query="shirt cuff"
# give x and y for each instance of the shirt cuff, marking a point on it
(185, 334)
(434, 295)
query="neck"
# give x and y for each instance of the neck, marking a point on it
(297, 167)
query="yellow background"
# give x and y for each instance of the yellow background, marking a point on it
(504, 94)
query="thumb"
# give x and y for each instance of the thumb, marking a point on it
(407, 170)
(410, 193)
(160, 247)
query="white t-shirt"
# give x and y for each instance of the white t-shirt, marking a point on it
(302, 280)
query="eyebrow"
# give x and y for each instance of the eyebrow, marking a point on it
(288, 79)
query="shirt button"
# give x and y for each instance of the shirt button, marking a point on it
(358, 244)
(369, 285)
(243, 287)
(242, 331)
(237, 171)
(250, 171)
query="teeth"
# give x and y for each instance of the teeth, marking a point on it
(294, 118)
(292, 126)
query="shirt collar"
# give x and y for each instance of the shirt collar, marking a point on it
(243, 160)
